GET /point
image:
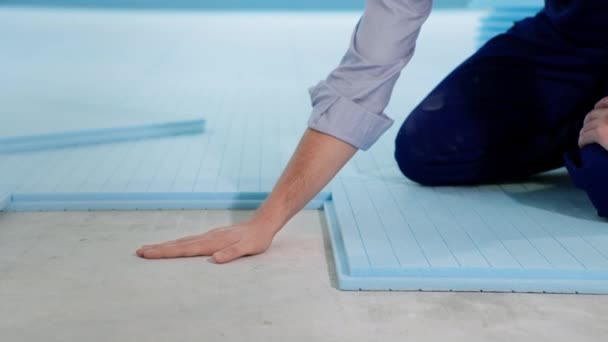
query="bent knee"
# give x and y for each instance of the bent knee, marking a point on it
(415, 160)
(429, 162)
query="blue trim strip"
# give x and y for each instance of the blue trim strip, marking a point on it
(5, 200)
(340, 259)
(507, 284)
(144, 201)
(99, 136)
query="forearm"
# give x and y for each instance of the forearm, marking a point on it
(317, 159)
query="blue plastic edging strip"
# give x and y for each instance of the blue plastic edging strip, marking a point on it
(99, 136)
(5, 200)
(340, 260)
(455, 284)
(144, 201)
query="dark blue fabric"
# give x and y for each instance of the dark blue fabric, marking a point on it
(588, 169)
(583, 21)
(515, 107)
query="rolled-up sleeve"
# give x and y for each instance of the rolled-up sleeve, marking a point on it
(349, 104)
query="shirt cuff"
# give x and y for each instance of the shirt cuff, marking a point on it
(344, 119)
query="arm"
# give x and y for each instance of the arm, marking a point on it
(347, 115)
(316, 160)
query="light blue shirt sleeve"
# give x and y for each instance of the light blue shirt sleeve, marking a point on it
(349, 104)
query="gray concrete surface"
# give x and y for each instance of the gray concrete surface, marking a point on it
(73, 276)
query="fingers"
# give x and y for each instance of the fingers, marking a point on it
(224, 245)
(592, 125)
(196, 245)
(179, 250)
(590, 117)
(200, 246)
(172, 242)
(231, 253)
(177, 241)
(595, 126)
(588, 137)
(140, 251)
(603, 103)
(596, 114)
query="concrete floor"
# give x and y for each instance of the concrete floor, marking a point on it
(73, 276)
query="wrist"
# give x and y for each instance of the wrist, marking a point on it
(265, 223)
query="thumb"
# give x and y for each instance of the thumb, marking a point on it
(230, 253)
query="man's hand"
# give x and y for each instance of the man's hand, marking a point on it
(595, 127)
(224, 244)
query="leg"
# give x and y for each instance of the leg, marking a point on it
(509, 111)
(588, 169)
